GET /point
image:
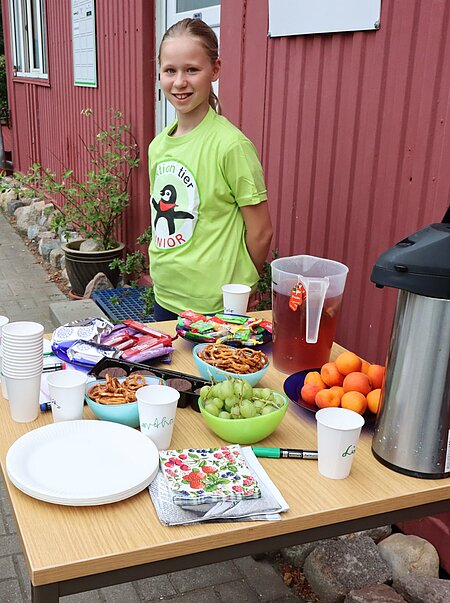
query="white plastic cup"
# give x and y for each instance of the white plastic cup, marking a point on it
(235, 298)
(2, 379)
(4, 320)
(157, 405)
(24, 330)
(23, 397)
(67, 389)
(338, 431)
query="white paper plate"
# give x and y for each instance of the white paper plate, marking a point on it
(82, 463)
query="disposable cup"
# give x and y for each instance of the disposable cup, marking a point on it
(235, 298)
(23, 395)
(157, 405)
(24, 358)
(2, 379)
(23, 329)
(4, 320)
(66, 389)
(338, 432)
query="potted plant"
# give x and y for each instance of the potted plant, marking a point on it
(91, 206)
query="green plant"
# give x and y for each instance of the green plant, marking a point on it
(264, 286)
(93, 205)
(4, 110)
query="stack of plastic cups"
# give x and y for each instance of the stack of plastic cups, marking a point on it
(22, 345)
(4, 320)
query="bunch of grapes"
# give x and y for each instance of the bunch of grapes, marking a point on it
(237, 399)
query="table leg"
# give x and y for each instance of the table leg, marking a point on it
(47, 593)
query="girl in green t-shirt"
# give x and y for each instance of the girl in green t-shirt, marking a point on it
(210, 221)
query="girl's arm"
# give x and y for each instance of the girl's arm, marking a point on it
(259, 232)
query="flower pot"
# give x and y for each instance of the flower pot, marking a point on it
(82, 266)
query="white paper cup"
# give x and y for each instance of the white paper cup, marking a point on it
(67, 389)
(157, 405)
(2, 379)
(235, 298)
(23, 330)
(23, 397)
(4, 320)
(338, 432)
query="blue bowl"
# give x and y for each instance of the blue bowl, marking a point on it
(207, 371)
(126, 414)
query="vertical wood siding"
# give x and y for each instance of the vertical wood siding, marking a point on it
(47, 119)
(354, 134)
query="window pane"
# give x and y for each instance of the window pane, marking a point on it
(190, 5)
(35, 21)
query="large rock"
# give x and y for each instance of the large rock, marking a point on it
(8, 195)
(376, 534)
(99, 282)
(46, 245)
(26, 217)
(91, 245)
(423, 589)
(296, 555)
(57, 258)
(381, 593)
(336, 567)
(409, 554)
(12, 205)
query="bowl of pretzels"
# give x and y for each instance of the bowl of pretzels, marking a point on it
(218, 361)
(114, 398)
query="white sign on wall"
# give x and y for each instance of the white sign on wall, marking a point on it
(84, 43)
(299, 17)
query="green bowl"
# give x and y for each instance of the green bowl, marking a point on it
(245, 431)
(126, 414)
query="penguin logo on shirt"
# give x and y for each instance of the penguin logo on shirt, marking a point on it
(165, 208)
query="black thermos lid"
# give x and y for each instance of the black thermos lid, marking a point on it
(419, 264)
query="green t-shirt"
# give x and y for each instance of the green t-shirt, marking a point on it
(198, 183)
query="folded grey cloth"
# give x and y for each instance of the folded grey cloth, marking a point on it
(268, 507)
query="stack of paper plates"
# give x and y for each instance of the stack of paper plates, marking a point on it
(82, 463)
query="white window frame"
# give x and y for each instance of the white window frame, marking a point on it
(23, 36)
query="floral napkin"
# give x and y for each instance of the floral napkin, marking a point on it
(208, 475)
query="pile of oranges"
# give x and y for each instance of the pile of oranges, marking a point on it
(349, 382)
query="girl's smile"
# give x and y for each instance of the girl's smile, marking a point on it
(186, 77)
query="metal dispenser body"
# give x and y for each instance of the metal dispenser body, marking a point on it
(412, 430)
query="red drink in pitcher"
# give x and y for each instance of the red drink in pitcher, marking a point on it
(291, 352)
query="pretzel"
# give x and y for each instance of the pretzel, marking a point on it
(241, 361)
(114, 392)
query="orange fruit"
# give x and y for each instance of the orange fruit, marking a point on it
(314, 378)
(348, 362)
(375, 372)
(364, 366)
(355, 401)
(357, 382)
(373, 400)
(330, 374)
(309, 391)
(338, 389)
(326, 398)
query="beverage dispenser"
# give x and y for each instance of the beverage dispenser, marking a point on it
(412, 430)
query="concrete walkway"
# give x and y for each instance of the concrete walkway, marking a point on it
(26, 294)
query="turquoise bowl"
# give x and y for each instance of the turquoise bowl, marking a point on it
(126, 414)
(245, 431)
(207, 371)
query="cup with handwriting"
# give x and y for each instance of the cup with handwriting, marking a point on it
(235, 298)
(66, 389)
(338, 431)
(157, 405)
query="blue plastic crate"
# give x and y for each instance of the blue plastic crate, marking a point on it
(123, 303)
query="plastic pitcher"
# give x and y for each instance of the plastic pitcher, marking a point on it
(306, 299)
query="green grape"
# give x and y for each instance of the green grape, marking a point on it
(227, 389)
(266, 393)
(238, 387)
(205, 391)
(215, 390)
(247, 390)
(217, 402)
(259, 404)
(235, 412)
(230, 402)
(212, 409)
(268, 409)
(247, 409)
(224, 415)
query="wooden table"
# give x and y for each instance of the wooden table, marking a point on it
(73, 549)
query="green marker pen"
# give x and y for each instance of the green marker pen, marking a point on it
(285, 453)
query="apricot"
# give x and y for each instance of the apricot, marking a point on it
(348, 362)
(375, 372)
(338, 389)
(364, 366)
(355, 401)
(314, 378)
(358, 382)
(373, 400)
(326, 398)
(330, 374)
(309, 391)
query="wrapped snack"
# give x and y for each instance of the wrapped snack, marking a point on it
(89, 329)
(89, 351)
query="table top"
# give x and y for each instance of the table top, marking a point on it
(62, 543)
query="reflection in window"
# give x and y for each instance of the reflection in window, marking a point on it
(27, 18)
(192, 5)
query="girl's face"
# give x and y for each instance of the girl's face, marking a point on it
(186, 77)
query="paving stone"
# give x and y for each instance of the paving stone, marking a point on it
(9, 545)
(263, 578)
(120, 593)
(153, 588)
(22, 574)
(199, 577)
(197, 596)
(7, 569)
(10, 592)
(91, 596)
(237, 591)
(3, 528)
(10, 524)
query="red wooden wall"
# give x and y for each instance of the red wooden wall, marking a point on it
(46, 115)
(354, 133)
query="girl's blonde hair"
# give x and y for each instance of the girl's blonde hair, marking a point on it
(207, 38)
